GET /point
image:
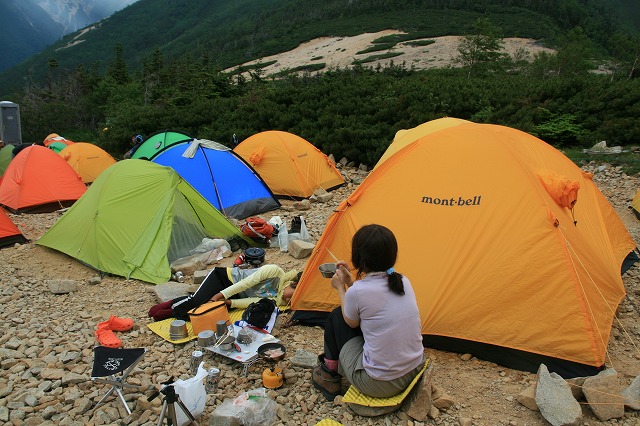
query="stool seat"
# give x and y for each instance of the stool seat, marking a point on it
(112, 366)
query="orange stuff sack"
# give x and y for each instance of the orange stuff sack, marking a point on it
(206, 316)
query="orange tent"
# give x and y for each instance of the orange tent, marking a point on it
(404, 137)
(88, 160)
(9, 232)
(38, 179)
(505, 263)
(291, 166)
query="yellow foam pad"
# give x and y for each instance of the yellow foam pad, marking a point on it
(235, 315)
(354, 396)
(328, 422)
(161, 328)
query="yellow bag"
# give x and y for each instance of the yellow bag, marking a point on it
(205, 316)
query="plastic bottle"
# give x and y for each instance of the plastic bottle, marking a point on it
(283, 237)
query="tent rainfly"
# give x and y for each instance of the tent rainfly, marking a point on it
(513, 252)
(135, 219)
(291, 166)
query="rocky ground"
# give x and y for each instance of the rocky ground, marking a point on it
(47, 341)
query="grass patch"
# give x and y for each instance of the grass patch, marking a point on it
(373, 58)
(317, 58)
(628, 161)
(257, 66)
(301, 68)
(420, 43)
(376, 48)
(399, 38)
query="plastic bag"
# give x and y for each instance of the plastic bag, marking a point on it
(276, 221)
(209, 244)
(192, 394)
(304, 232)
(283, 238)
(255, 408)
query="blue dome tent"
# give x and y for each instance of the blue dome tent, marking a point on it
(220, 175)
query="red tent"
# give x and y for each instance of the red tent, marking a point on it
(39, 180)
(9, 232)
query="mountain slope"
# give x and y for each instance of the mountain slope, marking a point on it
(28, 26)
(26, 29)
(73, 15)
(234, 32)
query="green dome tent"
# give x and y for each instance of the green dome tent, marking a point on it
(6, 155)
(57, 147)
(158, 142)
(135, 219)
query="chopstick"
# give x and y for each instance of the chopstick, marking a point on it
(336, 259)
(224, 336)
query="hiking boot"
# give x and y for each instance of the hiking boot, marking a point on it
(234, 244)
(327, 381)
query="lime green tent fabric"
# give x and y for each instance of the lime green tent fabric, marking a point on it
(135, 219)
(6, 155)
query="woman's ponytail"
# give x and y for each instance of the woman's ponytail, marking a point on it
(395, 281)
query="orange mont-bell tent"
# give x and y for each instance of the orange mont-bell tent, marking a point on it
(290, 166)
(514, 254)
(87, 159)
(38, 180)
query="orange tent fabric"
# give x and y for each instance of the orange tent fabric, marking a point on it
(9, 232)
(38, 179)
(404, 137)
(492, 256)
(289, 165)
(88, 160)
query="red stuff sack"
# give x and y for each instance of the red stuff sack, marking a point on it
(258, 230)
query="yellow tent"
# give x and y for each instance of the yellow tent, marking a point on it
(406, 136)
(502, 262)
(88, 160)
(291, 166)
(635, 204)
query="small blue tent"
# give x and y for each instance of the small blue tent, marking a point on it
(221, 176)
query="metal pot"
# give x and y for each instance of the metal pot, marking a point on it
(254, 256)
(227, 343)
(206, 338)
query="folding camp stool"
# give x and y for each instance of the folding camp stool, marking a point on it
(112, 366)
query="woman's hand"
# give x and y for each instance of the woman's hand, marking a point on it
(342, 278)
(217, 296)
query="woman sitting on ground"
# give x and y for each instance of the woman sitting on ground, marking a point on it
(237, 287)
(374, 339)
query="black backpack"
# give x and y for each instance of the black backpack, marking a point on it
(259, 313)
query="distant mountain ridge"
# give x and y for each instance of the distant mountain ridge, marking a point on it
(28, 26)
(73, 15)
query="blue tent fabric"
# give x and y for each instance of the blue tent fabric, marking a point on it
(222, 177)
